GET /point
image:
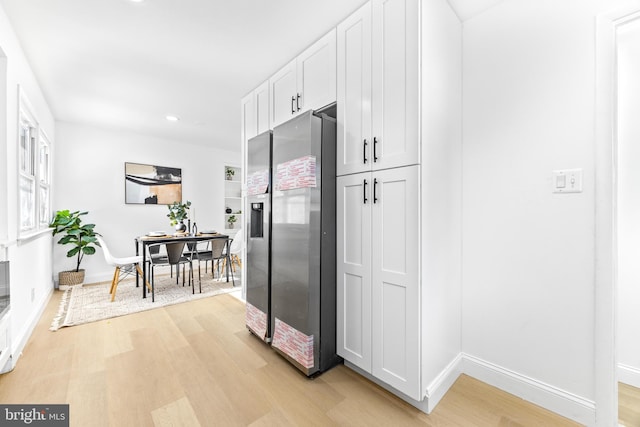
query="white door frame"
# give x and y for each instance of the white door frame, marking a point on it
(606, 286)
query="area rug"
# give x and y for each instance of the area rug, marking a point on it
(89, 303)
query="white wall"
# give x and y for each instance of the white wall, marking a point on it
(30, 258)
(89, 176)
(528, 308)
(441, 153)
(629, 203)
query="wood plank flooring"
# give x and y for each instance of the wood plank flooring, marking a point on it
(628, 405)
(195, 364)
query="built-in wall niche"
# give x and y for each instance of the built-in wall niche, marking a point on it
(232, 199)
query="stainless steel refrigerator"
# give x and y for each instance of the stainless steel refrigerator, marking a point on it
(258, 231)
(303, 242)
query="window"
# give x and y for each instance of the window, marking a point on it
(44, 179)
(34, 173)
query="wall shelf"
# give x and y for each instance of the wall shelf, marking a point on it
(233, 198)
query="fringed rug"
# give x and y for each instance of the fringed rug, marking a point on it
(89, 303)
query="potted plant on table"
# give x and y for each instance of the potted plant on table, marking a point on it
(178, 212)
(82, 238)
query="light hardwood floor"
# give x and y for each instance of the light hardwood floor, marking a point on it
(196, 364)
(628, 405)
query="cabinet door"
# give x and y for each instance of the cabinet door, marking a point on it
(262, 107)
(354, 93)
(395, 94)
(248, 117)
(353, 299)
(316, 68)
(282, 88)
(395, 279)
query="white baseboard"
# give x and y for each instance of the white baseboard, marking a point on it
(629, 375)
(443, 382)
(421, 405)
(549, 397)
(435, 391)
(18, 343)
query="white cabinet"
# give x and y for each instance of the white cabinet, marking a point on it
(378, 87)
(353, 254)
(255, 112)
(262, 108)
(248, 117)
(307, 82)
(354, 93)
(378, 296)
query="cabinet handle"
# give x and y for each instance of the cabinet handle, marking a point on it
(364, 151)
(375, 184)
(298, 101)
(375, 144)
(293, 109)
(364, 191)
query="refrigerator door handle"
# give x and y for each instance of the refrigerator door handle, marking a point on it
(364, 151)
(375, 184)
(364, 192)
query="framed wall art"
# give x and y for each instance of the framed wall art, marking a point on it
(151, 184)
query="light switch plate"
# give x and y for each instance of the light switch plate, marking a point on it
(567, 181)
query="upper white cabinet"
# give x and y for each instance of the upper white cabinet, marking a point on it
(378, 87)
(354, 93)
(262, 108)
(255, 112)
(248, 117)
(307, 82)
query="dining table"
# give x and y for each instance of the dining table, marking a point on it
(157, 238)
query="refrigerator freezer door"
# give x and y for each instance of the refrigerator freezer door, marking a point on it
(258, 315)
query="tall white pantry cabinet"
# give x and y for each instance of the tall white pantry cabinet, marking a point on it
(398, 190)
(394, 68)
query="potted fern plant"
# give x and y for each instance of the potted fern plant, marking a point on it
(83, 241)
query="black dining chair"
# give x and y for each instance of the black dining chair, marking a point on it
(214, 253)
(174, 257)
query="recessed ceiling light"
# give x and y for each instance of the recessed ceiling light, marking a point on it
(172, 118)
(137, 1)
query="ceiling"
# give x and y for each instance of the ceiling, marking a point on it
(123, 65)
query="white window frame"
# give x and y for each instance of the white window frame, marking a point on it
(44, 180)
(34, 172)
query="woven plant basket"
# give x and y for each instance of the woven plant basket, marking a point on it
(70, 278)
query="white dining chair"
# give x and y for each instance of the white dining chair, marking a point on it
(237, 243)
(126, 265)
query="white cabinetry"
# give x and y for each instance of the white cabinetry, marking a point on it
(255, 112)
(307, 82)
(378, 285)
(378, 87)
